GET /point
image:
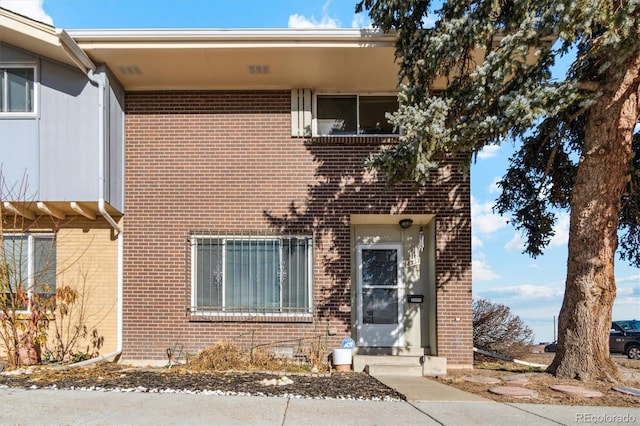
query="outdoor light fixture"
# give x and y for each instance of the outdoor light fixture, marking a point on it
(405, 223)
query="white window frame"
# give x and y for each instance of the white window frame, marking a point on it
(221, 312)
(36, 90)
(31, 237)
(358, 130)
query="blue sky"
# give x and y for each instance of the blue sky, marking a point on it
(532, 288)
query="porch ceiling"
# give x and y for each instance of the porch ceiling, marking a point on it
(390, 219)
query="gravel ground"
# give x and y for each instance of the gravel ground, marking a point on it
(116, 377)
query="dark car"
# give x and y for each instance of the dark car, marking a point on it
(625, 338)
(551, 347)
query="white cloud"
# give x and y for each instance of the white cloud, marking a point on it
(559, 239)
(624, 292)
(476, 242)
(629, 279)
(489, 151)
(516, 244)
(361, 20)
(30, 8)
(493, 187)
(527, 292)
(299, 21)
(536, 305)
(484, 220)
(561, 228)
(482, 271)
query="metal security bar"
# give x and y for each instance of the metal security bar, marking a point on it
(249, 274)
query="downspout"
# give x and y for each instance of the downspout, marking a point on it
(99, 81)
(83, 62)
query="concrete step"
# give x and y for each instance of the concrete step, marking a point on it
(361, 361)
(388, 365)
(400, 365)
(394, 370)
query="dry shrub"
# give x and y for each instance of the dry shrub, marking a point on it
(315, 352)
(264, 359)
(496, 329)
(224, 355)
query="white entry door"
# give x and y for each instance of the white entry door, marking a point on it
(380, 295)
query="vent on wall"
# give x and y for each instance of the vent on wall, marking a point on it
(130, 70)
(259, 69)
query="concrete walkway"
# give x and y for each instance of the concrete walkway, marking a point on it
(433, 405)
(421, 389)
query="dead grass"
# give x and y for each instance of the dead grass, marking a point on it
(541, 382)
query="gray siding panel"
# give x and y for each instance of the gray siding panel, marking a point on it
(19, 148)
(68, 135)
(58, 149)
(19, 159)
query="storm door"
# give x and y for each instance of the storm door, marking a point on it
(380, 295)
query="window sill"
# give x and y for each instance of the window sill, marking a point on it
(274, 318)
(355, 140)
(18, 115)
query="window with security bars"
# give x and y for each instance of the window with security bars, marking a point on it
(251, 274)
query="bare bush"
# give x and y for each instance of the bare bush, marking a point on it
(26, 286)
(69, 327)
(36, 312)
(226, 355)
(496, 329)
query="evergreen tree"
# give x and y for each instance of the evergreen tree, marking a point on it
(491, 63)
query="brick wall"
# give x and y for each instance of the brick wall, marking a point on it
(88, 261)
(225, 161)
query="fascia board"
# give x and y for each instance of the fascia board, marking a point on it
(233, 37)
(14, 22)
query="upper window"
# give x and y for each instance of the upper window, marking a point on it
(242, 275)
(17, 89)
(354, 114)
(28, 269)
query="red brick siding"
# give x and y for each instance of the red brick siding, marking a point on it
(225, 161)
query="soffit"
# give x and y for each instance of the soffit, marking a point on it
(328, 60)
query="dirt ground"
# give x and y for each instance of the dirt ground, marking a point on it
(541, 382)
(110, 376)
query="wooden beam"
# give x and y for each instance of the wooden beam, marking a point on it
(20, 211)
(51, 211)
(82, 210)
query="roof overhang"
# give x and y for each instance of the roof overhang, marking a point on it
(41, 39)
(340, 60)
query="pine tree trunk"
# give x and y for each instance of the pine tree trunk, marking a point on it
(603, 172)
